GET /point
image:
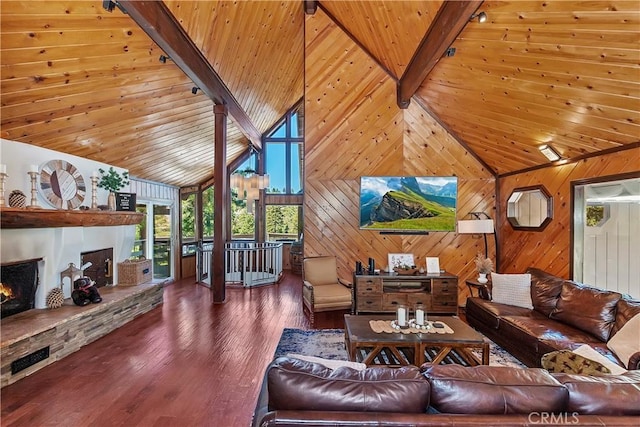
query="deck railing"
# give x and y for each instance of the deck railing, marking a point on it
(246, 263)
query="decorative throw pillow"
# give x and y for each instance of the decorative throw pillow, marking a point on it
(589, 352)
(568, 362)
(626, 341)
(512, 289)
(331, 364)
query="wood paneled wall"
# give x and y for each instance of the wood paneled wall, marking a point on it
(353, 128)
(550, 249)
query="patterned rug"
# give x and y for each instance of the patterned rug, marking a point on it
(329, 344)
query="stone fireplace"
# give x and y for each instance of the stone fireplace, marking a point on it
(18, 287)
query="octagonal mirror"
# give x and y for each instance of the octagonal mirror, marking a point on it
(530, 208)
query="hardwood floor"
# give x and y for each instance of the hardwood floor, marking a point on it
(188, 363)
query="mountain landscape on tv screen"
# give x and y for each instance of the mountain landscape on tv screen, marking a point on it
(408, 203)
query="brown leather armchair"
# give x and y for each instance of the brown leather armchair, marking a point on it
(323, 290)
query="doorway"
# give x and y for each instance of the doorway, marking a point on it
(606, 218)
(154, 239)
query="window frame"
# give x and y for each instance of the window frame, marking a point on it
(289, 141)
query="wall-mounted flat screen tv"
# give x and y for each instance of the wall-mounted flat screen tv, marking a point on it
(408, 203)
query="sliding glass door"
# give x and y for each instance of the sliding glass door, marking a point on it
(154, 238)
(161, 242)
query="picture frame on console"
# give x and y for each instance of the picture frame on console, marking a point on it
(400, 261)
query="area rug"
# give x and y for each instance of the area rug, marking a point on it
(329, 344)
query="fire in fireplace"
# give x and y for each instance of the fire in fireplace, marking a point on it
(18, 286)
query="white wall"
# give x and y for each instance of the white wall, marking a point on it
(58, 246)
(611, 256)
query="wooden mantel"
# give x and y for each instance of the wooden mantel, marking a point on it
(49, 218)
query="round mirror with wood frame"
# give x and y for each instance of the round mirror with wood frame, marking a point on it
(530, 208)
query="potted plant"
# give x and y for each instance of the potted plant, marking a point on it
(112, 181)
(484, 266)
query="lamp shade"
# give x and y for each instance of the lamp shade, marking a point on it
(475, 226)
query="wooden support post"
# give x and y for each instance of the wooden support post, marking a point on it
(220, 197)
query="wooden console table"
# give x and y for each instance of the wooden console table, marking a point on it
(382, 293)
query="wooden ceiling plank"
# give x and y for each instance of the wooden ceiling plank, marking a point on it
(451, 19)
(158, 22)
(558, 113)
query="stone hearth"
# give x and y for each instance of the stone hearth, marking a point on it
(65, 330)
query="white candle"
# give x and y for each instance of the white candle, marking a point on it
(420, 316)
(33, 168)
(402, 316)
(3, 168)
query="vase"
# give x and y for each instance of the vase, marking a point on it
(482, 278)
(111, 201)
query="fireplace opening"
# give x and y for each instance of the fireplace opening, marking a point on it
(18, 284)
(101, 269)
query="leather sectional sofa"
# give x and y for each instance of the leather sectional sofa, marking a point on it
(301, 393)
(565, 315)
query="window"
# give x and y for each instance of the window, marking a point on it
(284, 155)
(243, 223)
(283, 222)
(188, 209)
(207, 214)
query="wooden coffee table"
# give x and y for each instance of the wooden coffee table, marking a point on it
(397, 349)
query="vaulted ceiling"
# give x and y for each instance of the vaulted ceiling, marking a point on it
(84, 81)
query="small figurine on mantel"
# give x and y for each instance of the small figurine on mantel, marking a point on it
(85, 292)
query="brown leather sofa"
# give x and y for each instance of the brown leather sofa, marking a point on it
(300, 393)
(565, 315)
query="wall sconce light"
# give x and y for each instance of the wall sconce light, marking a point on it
(164, 59)
(480, 223)
(482, 17)
(549, 153)
(194, 90)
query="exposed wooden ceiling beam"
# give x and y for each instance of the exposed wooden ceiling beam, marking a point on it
(159, 23)
(448, 23)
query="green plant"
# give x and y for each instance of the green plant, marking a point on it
(111, 180)
(483, 264)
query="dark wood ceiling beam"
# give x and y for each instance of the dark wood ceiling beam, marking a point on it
(448, 23)
(158, 22)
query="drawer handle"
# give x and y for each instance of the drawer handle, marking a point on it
(394, 302)
(369, 289)
(369, 281)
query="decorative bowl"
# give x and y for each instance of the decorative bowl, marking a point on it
(405, 271)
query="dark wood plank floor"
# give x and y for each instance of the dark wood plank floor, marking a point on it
(186, 363)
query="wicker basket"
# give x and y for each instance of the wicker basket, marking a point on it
(133, 272)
